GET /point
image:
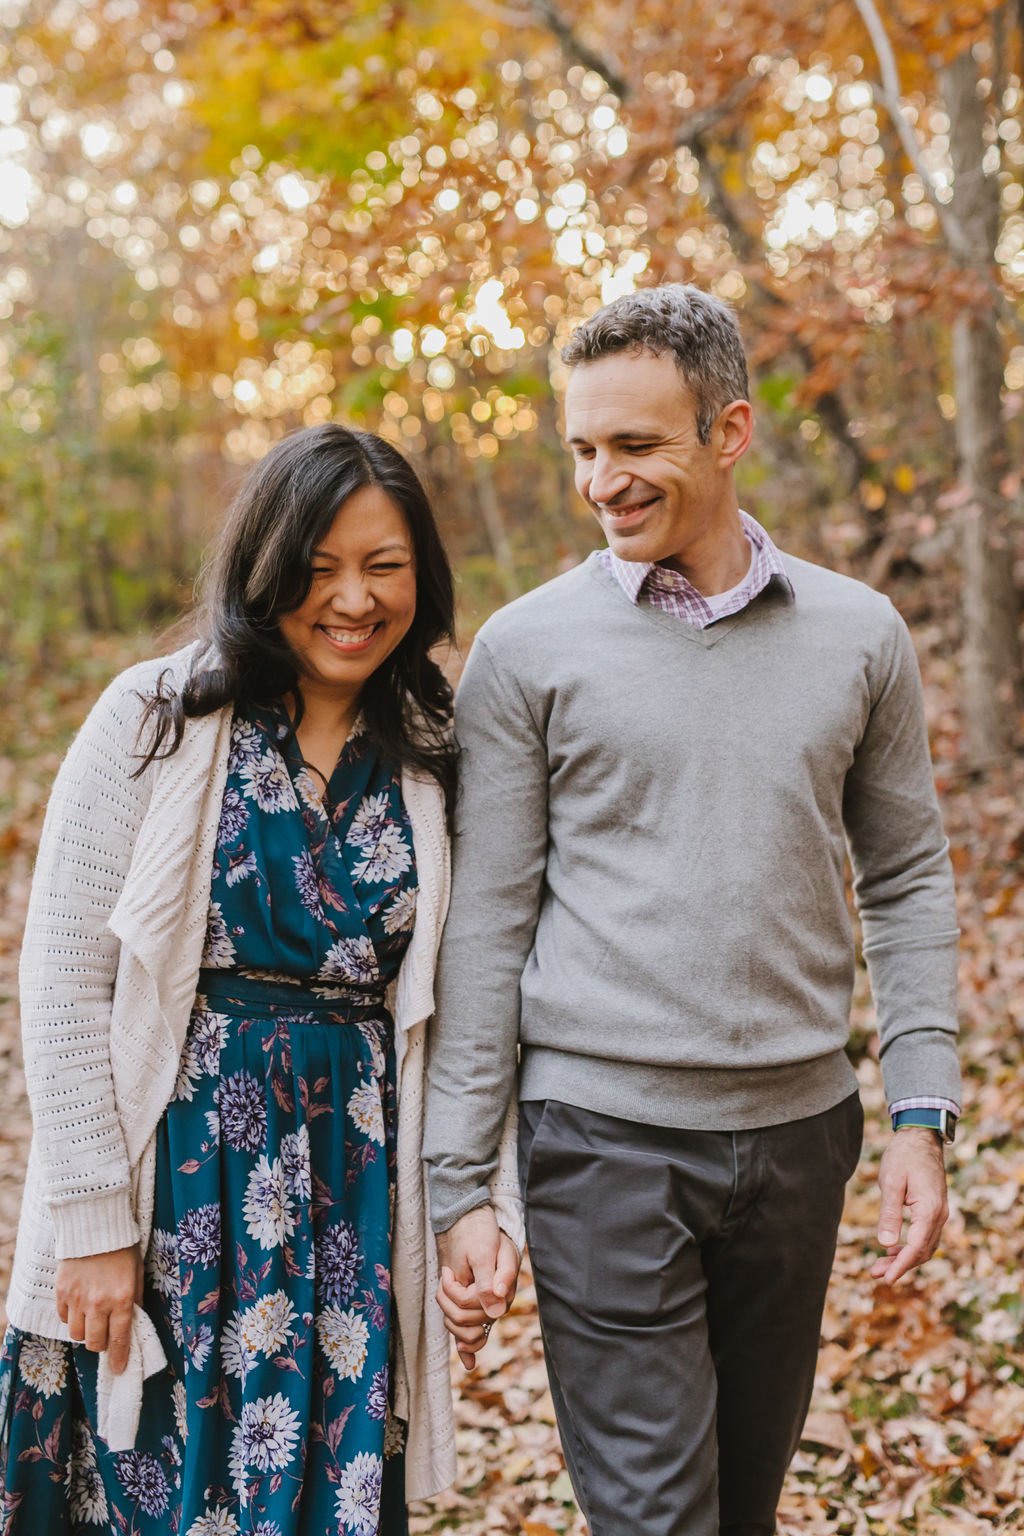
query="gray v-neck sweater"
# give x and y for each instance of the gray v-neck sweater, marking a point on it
(648, 888)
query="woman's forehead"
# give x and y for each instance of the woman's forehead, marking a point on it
(370, 520)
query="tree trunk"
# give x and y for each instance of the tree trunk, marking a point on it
(497, 534)
(555, 491)
(991, 669)
(106, 567)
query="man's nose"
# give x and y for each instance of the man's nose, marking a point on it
(609, 478)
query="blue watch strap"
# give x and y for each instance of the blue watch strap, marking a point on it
(941, 1120)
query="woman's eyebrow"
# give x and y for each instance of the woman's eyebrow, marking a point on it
(382, 549)
(395, 547)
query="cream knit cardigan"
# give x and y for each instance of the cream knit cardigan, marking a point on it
(109, 967)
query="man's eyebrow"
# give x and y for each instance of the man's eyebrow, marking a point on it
(629, 435)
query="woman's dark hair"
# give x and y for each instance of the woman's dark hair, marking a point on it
(261, 567)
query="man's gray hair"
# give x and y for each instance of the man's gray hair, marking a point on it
(698, 330)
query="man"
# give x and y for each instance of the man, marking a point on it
(666, 752)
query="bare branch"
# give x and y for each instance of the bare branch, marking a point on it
(504, 13)
(891, 95)
(609, 69)
(747, 247)
(1002, 23)
(700, 123)
(694, 133)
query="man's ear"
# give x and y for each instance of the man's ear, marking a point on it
(732, 432)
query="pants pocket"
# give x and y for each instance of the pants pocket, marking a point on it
(853, 1133)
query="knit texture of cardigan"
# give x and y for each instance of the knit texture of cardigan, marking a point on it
(109, 967)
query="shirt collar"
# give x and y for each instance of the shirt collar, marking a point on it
(766, 562)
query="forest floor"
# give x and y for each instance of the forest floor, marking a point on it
(917, 1418)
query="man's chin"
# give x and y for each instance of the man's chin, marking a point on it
(636, 547)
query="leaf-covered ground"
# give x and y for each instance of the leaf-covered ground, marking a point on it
(917, 1418)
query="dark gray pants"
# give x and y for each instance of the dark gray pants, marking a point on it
(681, 1278)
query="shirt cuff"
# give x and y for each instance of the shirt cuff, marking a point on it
(925, 1101)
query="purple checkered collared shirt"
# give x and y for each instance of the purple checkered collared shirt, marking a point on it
(672, 593)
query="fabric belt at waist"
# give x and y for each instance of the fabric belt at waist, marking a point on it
(268, 996)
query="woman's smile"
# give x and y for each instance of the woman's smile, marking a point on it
(348, 639)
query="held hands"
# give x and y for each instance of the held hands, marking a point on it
(479, 1271)
(912, 1175)
(95, 1297)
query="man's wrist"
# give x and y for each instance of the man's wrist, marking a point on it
(925, 1132)
(940, 1121)
(446, 1220)
(483, 1207)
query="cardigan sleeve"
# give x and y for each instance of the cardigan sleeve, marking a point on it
(504, 1184)
(68, 965)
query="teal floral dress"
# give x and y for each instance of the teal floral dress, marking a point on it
(268, 1274)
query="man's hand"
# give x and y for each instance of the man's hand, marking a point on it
(479, 1270)
(912, 1175)
(95, 1297)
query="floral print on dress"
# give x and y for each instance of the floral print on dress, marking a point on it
(268, 1268)
(342, 901)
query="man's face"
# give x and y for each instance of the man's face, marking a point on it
(631, 426)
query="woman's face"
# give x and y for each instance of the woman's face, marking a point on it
(362, 599)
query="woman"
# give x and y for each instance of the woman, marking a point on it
(245, 850)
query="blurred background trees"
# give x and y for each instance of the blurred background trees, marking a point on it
(222, 219)
(219, 221)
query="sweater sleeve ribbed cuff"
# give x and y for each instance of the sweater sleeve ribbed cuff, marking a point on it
(450, 1201)
(100, 1224)
(922, 1064)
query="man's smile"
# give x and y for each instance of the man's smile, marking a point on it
(626, 512)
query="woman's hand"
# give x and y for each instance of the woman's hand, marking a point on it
(95, 1297)
(479, 1272)
(464, 1317)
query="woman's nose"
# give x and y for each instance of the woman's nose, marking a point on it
(351, 596)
